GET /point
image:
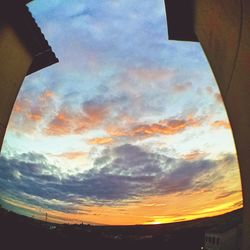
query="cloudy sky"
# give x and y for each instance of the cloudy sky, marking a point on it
(128, 128)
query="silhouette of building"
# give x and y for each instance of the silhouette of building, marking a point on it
(23, 50)
(223, 238)
(223, 29)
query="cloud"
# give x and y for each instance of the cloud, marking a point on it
(101, 141)
(218, 97)
(178, 88)
(195, 155)
(61, 124)
(120, 175)
(87, 26)
(148, 75)
(227, 194)
(135, 60)
(71, 155)
(164, 127)
(29, 112)
(221, 124)
(67, 122)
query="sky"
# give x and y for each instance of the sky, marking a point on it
(128, 128)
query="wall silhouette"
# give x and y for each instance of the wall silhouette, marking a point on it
(223, 29)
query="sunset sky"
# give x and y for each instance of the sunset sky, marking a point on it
(128, 128)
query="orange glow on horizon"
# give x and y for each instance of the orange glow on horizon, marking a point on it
(154, 210)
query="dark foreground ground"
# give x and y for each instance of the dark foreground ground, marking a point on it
(19, 232)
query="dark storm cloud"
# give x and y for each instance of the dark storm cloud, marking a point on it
(121, 174)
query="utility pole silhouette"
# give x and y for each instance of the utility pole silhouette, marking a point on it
(46, 216)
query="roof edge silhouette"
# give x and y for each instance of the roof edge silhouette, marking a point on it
(180, 20)
(18, 15)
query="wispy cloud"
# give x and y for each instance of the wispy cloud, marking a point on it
(217, 96)
(101, 140)
(227, 194)
(71, 155)
(68, 122)
(164, 127)
(182, 87)
(195, 155)
(221, 124)
(29, 112)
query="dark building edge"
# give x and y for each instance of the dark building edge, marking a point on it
(18, 15)
(180, 20)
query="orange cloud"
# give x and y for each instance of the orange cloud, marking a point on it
(182, 87)
(218, 97)
(93, 116)
(117, 132)
(31, 109)
(35, 117)
(68, 122)
(71, 155)
(221, 124)
(95, 112)
(216, 94)
(17, 108)
(21, 105)
(164, 127)
(60, 125)
(47, 94)
(28, 112)
(194, 155)
(101, 140)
